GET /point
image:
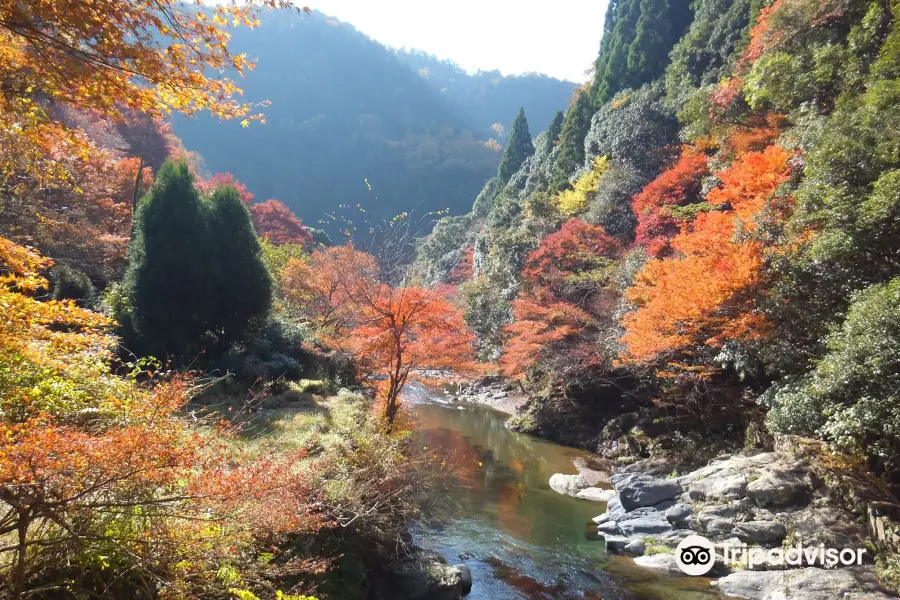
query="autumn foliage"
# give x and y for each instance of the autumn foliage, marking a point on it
(96, 465)
(394, 332)
(278, 224)
(563, 294)
(705, 293)
(677, 186)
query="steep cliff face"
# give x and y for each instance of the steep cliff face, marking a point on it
(743, 156)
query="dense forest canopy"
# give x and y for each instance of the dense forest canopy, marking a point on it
(345, 109)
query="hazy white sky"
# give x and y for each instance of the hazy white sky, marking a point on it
(557, 37)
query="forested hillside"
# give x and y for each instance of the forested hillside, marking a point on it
(707, 241)
(344, 109)
(488, 97)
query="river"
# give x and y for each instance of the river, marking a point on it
(520, 538)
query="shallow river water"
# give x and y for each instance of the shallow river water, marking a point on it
(520, 538)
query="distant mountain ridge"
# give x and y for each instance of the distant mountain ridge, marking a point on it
(346, 109)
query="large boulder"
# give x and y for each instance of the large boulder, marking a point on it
(646, 526)
(834, 527)
(596, 494)
(637, 490)
(679, 515)
(802, 584)
(426, 575)
(567, 484)
(662, 561)
(779, 487)
(764, 533)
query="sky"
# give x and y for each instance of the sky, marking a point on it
(559, 37)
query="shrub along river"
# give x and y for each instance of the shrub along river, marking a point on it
(520, 538)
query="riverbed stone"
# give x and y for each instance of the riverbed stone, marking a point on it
(649, 525)
(567, 484)
(662, 561)
(779, 487)
(638, 490)
(609, 527)
(714, 512)
(719, 527)
(426, 575)
(616, 543)
(596, 494)
(834, 527)
(636, 547)
(722, 487)
(764, 533)
(680, 514)
(802, 584)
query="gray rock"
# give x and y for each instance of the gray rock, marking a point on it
(663, 562)
(674, 537)
(650, 525)
(764, 533)
(596, 494)
(609, 527)
(636, 547)
(465, 580)
(802, 584)
(719, 527)
(616, 543)
(778, 487)
(638, 490)
(725, 487)
(834, 527)
(719, 511)
(679, 514)
(567, 484)
(426, 575)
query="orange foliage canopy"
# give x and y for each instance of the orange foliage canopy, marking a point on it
(563, 294)
(677, 186)
(150, 56)
(393, 332)
(224, 179)
(127, 477)
(278, 224)
(705, 293)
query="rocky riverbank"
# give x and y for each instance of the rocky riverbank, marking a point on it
(770, 501)
(497, 392)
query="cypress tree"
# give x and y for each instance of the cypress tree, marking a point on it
(554, 130)
(637, 38)
(517, 150)
(571, 140)
(242, 284)
(167, 282)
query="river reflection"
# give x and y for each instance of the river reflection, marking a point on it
(520, 538)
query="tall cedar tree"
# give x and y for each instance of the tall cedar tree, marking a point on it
(554, 130)
(571, 139)
(243, 286)
(194, 267)
(168, 280)
(637, 38)
(517, 150)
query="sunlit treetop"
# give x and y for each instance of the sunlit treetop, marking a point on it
(152, 56)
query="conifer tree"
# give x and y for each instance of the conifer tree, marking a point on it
(554, 130)
(637, 38)
(571, 140)
(168, 281)
(243, 285)
(517, 150)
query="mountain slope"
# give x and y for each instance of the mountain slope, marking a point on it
(344, 109)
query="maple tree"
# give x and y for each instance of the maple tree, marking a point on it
(563, 293)
(278, 224)
(154, 57)
(705, 294)
(96, 467)
(226, 179)
(394, 332)
(677, 186)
